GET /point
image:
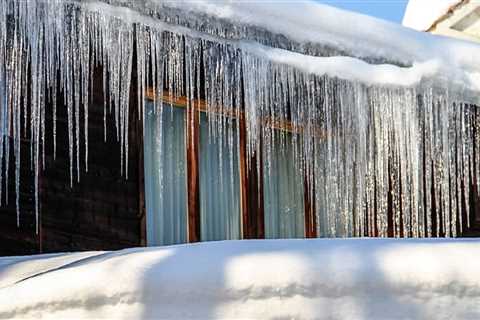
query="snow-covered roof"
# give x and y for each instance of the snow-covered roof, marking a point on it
(422, 14)
(301, 25)
(256, 279)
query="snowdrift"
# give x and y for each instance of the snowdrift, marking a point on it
(279, 279)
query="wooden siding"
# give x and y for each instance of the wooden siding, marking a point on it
(104, 211)
(22, 239)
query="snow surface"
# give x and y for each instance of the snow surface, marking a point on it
(14, 268)
(259, 279)
(422, 14)
(309, 22)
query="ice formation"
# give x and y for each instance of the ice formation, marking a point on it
(383, 117)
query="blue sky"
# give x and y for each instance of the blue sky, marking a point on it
(391, 10)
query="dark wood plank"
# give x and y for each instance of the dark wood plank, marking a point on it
(102, 212)
(22, 239)
(253, 216)
(256, 203)
(310, 216)
(246, 227)
(40, 206)
(142, 212)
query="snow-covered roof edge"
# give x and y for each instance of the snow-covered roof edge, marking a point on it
(309, 24)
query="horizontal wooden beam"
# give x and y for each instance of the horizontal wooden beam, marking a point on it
(201, 105)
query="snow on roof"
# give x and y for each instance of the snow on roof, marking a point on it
(309, 22)
(258, 279)
(422, 14)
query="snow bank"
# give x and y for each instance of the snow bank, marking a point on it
(13, 269)
(278, 279)
(422, 14)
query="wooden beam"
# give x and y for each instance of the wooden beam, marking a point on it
(251, 185)
(141, 184)
(246, 228)
(40, 219)
(255, 183)
(193, 176)
(201, 105)
(310, 216)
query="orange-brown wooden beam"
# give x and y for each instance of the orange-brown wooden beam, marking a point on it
(253, 216)
(193, 176)
(310, 216)
(247, 232)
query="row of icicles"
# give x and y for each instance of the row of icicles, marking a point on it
(379, 161)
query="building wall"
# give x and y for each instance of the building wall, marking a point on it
(22, 239)
(102, 212)
(461, 22)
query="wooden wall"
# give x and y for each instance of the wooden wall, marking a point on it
(102, 212)
(23, 239)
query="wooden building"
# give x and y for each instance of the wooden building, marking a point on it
(106, 211)
(192, 173)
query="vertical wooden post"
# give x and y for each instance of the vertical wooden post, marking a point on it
(246, 228)
(193, 176)
(310, 216)
(136, 134)
(253, 216)
(141, 184)
(40, 189)
(256, 184)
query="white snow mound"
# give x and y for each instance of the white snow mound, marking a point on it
(261, 279)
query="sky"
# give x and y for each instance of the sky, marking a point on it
(391, 10)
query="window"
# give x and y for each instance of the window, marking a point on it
(165, 175)
(193, 186)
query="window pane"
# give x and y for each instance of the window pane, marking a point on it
(283, 190)
(219, 183)
(165, 176)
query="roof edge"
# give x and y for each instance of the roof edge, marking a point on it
(447, 15)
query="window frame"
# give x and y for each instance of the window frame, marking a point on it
(252, 224)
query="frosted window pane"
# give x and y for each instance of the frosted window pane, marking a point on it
(219, 184)
(165, 176)
(283, 192)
